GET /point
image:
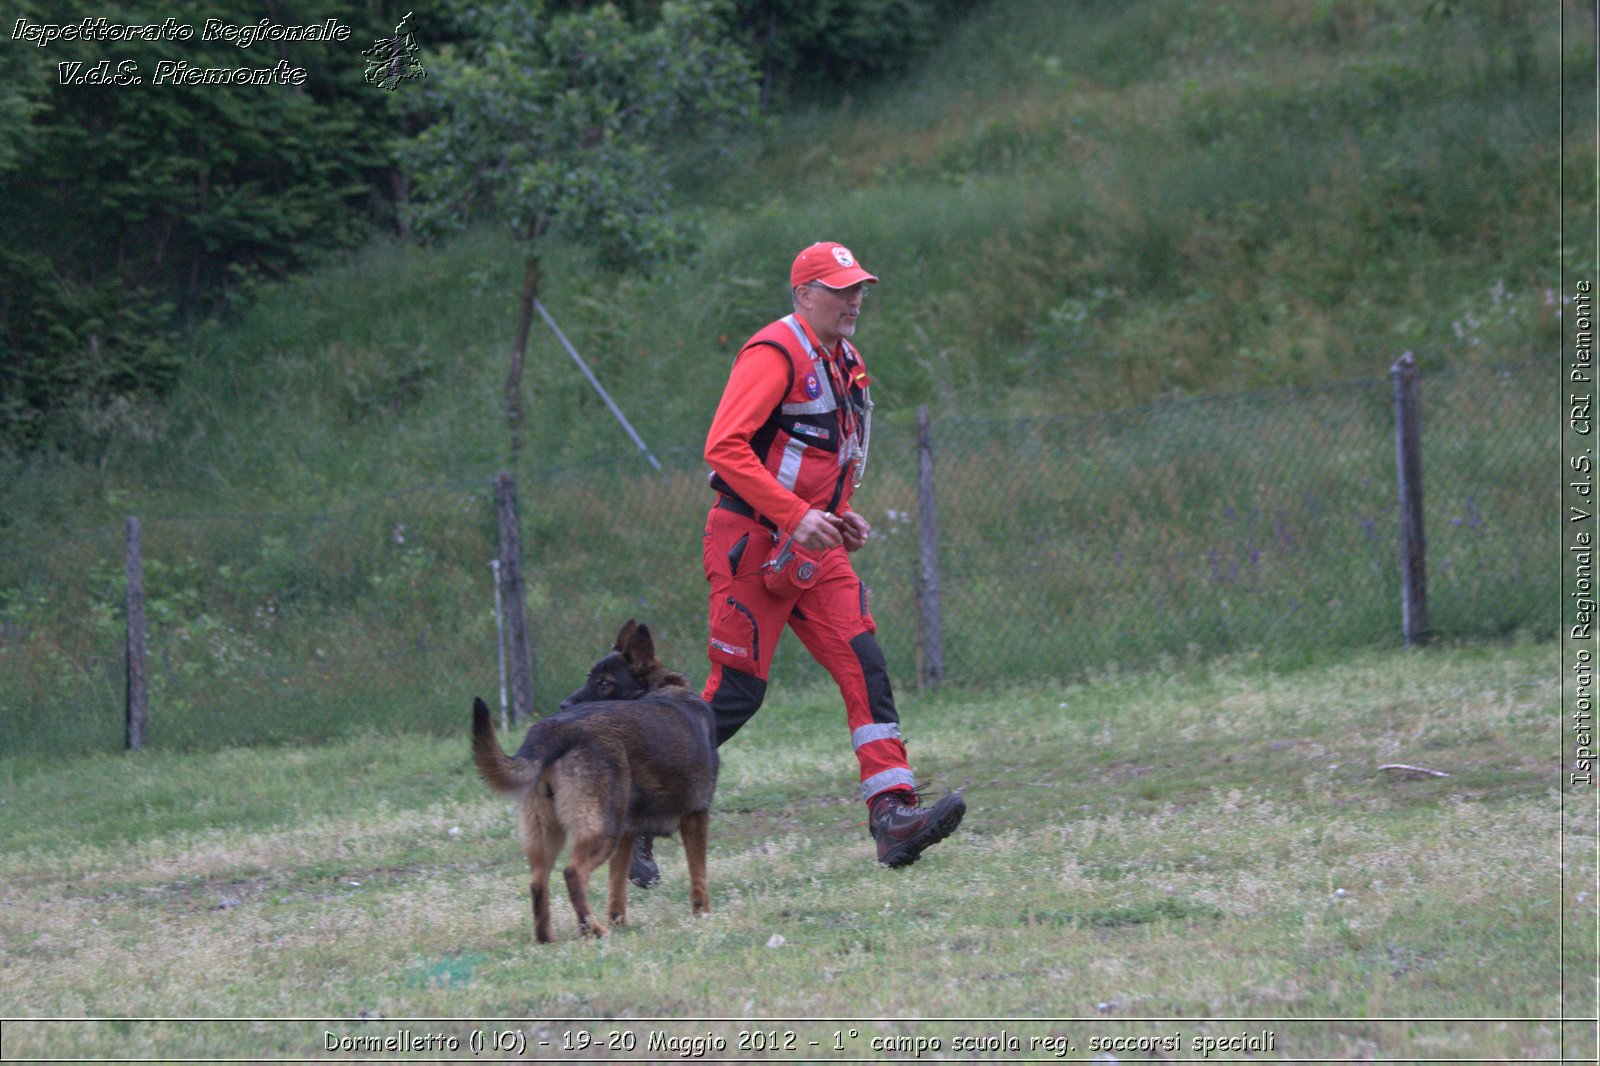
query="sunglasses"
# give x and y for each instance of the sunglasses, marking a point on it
(858, 289)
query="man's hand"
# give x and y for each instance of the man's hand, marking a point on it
(820, 530)
(854, 529)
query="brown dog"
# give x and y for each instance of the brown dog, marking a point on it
(632, 751)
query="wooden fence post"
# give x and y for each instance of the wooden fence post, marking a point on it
(1408, 461)
(138, 702)
(511, 587)
(931, 670)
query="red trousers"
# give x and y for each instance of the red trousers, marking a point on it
(832, 620)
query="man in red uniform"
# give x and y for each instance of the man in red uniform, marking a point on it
(787, 447)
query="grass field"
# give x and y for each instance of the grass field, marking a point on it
(1144, 852)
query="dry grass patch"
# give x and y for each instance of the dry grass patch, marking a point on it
(1213, 840)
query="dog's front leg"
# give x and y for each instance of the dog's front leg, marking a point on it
(617, 886)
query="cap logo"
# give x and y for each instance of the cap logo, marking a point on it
(844, 257)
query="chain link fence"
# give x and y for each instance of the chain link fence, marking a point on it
(1068, 546)
(1260, 521)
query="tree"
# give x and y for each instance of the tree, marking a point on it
(130, 210)
(818, 50)
(557, 124)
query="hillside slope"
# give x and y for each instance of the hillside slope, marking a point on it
(1073, 207)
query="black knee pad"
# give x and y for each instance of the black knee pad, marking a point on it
(737, 699)
(875, 669)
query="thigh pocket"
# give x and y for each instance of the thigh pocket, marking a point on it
(733, 546)
(736, 554)
(735, 637)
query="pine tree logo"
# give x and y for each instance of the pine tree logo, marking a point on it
(392, 60)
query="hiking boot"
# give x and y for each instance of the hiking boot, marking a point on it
(904, 828)
(643, 870)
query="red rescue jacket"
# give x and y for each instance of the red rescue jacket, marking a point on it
(781, 445)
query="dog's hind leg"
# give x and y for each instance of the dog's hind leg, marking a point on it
(589, 853)
(617, 881)
(541, 841)
(694, 828)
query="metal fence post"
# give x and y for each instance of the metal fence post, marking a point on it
(601, 389)
(500, 642)
(138, 702)
(505, 498)
(932, 644)
(1408, 461)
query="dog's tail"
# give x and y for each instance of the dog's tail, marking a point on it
(500, 771)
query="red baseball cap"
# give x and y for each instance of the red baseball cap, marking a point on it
(831, 264)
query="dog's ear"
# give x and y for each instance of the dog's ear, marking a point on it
(623, 636)
(640, 651)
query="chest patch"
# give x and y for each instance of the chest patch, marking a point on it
(805, 430)
(813, 386)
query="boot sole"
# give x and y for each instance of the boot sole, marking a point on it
(910, 851)
(643, 871)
